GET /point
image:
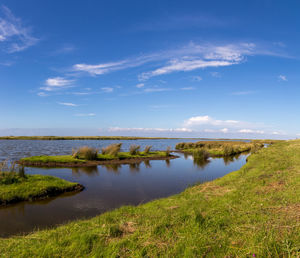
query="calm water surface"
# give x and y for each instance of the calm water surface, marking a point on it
(107, 187)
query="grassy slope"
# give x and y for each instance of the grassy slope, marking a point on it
(32, 186)
(70, 159)
(254, 210)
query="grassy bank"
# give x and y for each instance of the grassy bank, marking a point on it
(69, 160)
(219, 148)
(16, 188)
(79, 138)
(85, 156)
(254, 211)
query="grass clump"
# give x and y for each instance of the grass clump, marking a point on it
(85, 152)
(200, 154)
(168, 151)
(147, 149)
(252, 212)
(112, 149)
(134, 149)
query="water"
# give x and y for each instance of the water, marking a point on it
(107, 187)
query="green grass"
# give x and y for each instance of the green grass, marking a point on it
(14, 188)
(101, 157)
(219, 148)
(254, 210)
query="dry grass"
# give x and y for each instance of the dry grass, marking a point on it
(134, 149)
(112, 149)
(85, 152)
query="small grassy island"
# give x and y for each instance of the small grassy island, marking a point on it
(17, 187)
(87, 156)
(252, 212)
(218, 148)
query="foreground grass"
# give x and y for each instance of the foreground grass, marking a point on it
(219, 148)
(14, 188)
(253, 211)
(69, 159)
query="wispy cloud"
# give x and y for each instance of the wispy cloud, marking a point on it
(190, 57)
(120, 129)
(282, 78)
(240, 93)
(107, 89)
(86, 115)
(207, 120)
(188, 88)
(215, 74)
(14, 36)
(156, 89)
(250, 131)
(140, 85)
(68, 104)
(56, 83)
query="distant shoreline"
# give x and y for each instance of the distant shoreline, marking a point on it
(103, 138)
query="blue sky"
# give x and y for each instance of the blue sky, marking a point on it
(150, 68)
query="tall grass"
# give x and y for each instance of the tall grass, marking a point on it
(147, 149)
(134, 149)
(112, 149)
(200, 154)
(11, 173)
(168, 151)
(85, 152)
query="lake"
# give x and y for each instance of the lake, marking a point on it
(106, 187)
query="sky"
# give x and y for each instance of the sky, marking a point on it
(226, 69)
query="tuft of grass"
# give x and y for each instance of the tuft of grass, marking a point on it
(200, 154)
(147, 149)
(134, 149)
(112, 149)
(168, 151)
(85, 152)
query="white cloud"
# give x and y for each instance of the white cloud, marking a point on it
(13, 35)
(56, 83)
(187, 58)
(140, 129)
(224, 130)
(87, 115)
(42, 94)
(188, 88)
(156, 89)
(67, 104)
(240, 93)
(282, 78)
(99, 69)
(177, 65)
(207, 120)
(107, 89)
(251, 131)
(140, 85)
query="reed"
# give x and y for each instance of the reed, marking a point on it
(85, 152)
(112, 149)
(147, 149)
(134, 149)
